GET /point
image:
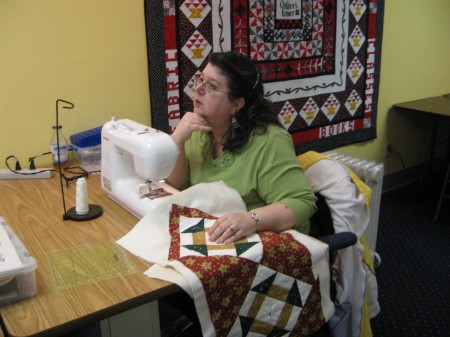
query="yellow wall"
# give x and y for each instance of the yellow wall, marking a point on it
(93, 53)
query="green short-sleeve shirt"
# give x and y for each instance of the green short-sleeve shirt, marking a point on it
(266, 171)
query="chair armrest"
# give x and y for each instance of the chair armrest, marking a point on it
(339, 240)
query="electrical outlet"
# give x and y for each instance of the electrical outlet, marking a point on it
(388, 150)
(40, 173)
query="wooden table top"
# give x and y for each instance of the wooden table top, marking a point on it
(33, 208)
(437, 105)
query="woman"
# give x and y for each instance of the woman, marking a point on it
(233, 135)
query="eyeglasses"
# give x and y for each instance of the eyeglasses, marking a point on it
(208, 87)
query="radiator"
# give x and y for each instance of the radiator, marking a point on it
(372, 174)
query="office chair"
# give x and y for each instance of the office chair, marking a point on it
(322, 228)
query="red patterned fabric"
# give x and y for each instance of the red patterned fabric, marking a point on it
(275, 293)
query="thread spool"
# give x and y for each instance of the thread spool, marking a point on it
(81, 201)
(83, 211)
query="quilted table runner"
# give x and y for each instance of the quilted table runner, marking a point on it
(263, 285)
(270, 284)
(319, 60)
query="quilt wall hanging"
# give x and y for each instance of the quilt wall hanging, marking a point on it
(319, 59)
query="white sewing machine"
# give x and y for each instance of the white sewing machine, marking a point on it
(135, 158)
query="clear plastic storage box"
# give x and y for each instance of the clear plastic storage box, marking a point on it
(19, 283)
(86, 146)
(91, 155)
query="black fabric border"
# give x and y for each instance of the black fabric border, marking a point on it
(154, 18)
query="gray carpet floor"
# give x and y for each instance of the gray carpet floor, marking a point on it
(414, 275)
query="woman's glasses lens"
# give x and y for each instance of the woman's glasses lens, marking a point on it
(204, 85)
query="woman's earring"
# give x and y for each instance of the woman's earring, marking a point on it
(234, 123)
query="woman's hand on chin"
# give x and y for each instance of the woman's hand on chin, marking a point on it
(190, 123)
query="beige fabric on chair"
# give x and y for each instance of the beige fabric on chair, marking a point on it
(355, 280)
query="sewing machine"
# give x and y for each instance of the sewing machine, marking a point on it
(135, 158)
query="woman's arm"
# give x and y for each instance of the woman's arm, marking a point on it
(190, 123)
(282, 185)
(179, 172)
(233, 226)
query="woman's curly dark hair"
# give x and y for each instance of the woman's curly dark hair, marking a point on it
(244, 81)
